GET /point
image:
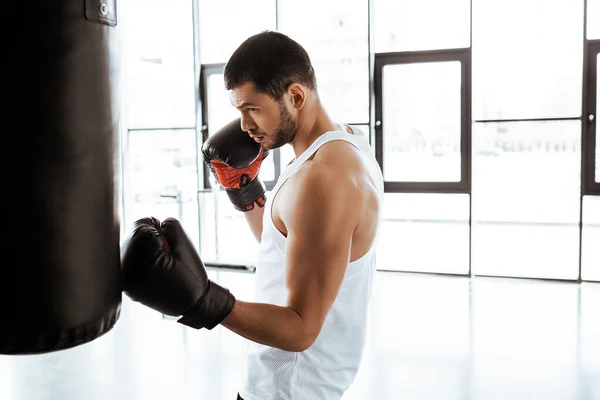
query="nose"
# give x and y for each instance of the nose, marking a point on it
(247, 123)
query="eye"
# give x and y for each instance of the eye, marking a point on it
(252, 109)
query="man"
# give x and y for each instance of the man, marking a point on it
(317, 232)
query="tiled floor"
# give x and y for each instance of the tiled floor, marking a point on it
(431, 337)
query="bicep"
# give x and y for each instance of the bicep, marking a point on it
(320, 228)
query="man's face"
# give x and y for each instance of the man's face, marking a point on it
(267, 121)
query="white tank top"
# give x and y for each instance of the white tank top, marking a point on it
(328, 367)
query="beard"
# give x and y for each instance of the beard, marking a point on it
(286, 131)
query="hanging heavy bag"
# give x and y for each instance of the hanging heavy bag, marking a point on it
(59, 275)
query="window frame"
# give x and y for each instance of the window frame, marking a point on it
(589, 126)
(462, 55)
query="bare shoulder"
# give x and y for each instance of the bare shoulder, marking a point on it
(316, 198)
(332, 177)
(338, 154)
(334, 192)
(337, 164)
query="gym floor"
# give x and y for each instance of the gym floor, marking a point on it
(431, 337)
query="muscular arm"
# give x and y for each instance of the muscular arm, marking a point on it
(254, 218)
(319, 223)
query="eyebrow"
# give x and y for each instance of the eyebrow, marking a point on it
(246, 104)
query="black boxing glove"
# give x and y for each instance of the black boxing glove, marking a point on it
(161, 269)
(234, 158)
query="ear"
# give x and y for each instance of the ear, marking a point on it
(297, 95)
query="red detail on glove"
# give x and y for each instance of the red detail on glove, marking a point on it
(231, 178)
(167, 247)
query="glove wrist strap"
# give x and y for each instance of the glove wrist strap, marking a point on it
(244, 198)
(211, 309)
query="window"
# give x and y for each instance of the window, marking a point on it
(337, 42)
(593, 19)
(509, 192)
(520, 72)
(422, 122)
(160, 177)
(590, 248)
(422, 135)
(225, 24)
(495, 317)
(409, 25)
(526, 196)
(589, 333)
(159, 64)
(425, 232)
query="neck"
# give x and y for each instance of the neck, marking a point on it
(314, 124)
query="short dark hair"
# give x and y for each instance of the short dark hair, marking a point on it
(272, 61)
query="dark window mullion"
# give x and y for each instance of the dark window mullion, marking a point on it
(466, 124)
(206, 70)
(527, 120)
(423, 187)
(589, 126)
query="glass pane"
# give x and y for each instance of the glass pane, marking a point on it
(226, 236)
(225, 24)
(428, 335)
(526, 190)
(160, 178)
(525, 334)
(425, 233)
(590, 245)
(408, 25)
(159, 64)
(220, 110)
(337, 44)
(590, 332)
(523, 66)
(422, 122)
(593, 19)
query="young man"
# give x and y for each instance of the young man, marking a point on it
(317, 231)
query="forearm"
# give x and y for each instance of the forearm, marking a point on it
(268, 324)
(255, 221)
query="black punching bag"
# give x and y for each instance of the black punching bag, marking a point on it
(59, 274)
